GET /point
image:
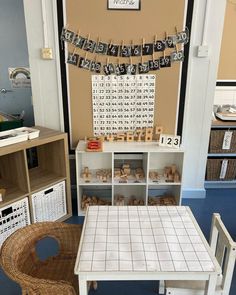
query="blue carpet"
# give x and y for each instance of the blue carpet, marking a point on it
(221, 201)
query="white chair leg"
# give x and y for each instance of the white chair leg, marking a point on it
(162, 287)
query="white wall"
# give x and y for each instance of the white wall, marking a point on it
(45, 74)
(201, 81)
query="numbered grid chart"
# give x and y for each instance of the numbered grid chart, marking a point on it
(122, 103)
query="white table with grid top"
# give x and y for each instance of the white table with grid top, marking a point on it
(143, 243)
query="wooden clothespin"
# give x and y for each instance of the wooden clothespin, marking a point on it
(166, 35)
(74, 50)
(122, 44)
(176, 30)
(176, 48)
(155, 39)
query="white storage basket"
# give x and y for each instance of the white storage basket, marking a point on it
(13, 217)
(49, 204)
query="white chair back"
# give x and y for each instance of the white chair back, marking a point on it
(224, 249)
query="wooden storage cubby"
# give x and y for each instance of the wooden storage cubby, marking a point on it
(51, 166)
(13, 176)
(146, 155)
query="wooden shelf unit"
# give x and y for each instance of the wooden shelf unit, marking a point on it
(147, 155)
(52, 167)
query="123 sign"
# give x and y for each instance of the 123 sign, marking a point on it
(124, 4)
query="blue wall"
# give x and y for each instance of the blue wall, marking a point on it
(14, 53)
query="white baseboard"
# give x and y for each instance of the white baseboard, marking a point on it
(193, 193)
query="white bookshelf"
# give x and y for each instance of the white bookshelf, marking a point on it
(147, 155)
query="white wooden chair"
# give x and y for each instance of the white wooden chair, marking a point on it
(224, 249)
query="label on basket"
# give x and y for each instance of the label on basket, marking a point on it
(227, 140)
(223, 170)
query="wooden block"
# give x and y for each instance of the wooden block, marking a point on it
(148, 134)
(139, 134)
(120, 137)
(110, 138)
(158, 129)
(129, 136)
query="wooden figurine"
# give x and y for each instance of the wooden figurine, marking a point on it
(176, 177)
(133, 201)
(103, 175)
(126, 169)
(171, 174)
(153, 175)
(86, 175)
(119, 200)
(139, 174)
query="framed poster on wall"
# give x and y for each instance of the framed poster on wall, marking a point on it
(124, 4)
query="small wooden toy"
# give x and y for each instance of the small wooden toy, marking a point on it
(103, 175)
(133, 201)
(86, 175)
(2, 194)
(119, 200)
(94, 145)
(126, 169)
(162, 201)
(139, 174)
(153, 175)
(90, 201)
(171, 174)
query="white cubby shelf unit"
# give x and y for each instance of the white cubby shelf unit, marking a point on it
(146, 155)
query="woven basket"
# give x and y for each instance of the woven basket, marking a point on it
(216, 142)
(214, 168)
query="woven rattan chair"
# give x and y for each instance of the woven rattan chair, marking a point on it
(53, 276)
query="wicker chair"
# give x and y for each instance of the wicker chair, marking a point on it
(55, 275)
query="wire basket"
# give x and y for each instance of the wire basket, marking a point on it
(49, 204)
(217, 139)
(214, 168)
(13, 217)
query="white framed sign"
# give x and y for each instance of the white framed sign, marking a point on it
(124, 4)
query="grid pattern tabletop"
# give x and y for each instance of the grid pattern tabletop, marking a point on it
(142, 239)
